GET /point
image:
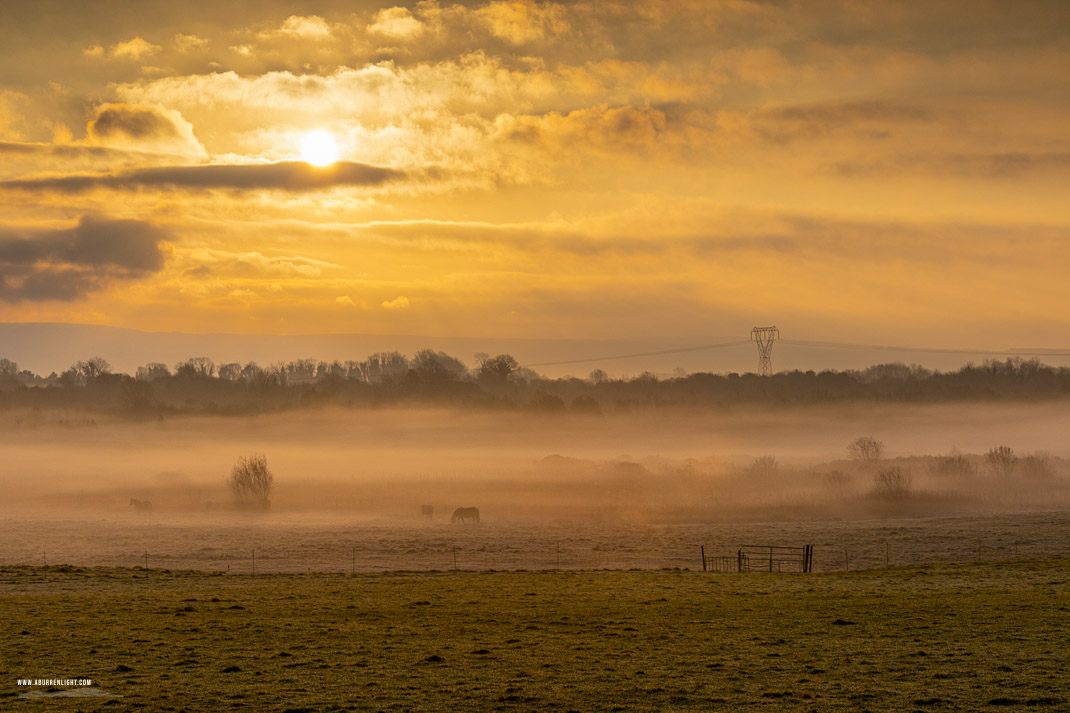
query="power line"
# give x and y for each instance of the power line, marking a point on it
(816, 345)
(932, 350)
(643, 354)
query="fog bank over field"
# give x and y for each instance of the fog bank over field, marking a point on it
(657, 464)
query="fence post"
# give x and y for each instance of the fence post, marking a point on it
(254, 561)
(702, 548)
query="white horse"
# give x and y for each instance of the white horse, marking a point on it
(465, 515)
(143, 507)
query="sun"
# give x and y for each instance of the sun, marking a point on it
(318, 148)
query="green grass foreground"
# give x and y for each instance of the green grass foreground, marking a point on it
(988, 636)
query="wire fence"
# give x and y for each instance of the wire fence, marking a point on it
(521, 556)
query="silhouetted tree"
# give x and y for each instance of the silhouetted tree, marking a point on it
(1002, 460)
(230, 371)
(383, 366)
(196, 366)
(1038, 465)
(92, 368)
(893, 482)
(152, 371)
(866, 449)
(437, 367)
(764, 465)
(251, 482)
(137, 394)
(497, 369)
(954, 463)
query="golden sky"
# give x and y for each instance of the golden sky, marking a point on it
(859, 170)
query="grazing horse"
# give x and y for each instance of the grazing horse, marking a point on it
(143, 507)
(465, 515)
(427, 511)
(210, 505)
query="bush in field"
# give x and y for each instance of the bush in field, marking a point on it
(1002, 460)
(837, 479)
(251, 482)
(954, 463)
(1038, 466)
(763, 465)
(866, 449)
(893, 482)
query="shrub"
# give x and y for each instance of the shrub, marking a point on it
(866, 449)
(954, 463)
(1002, 460)
(763, 465)
(251, 482)
(836, 479)
(1038, 466)
(892, 482)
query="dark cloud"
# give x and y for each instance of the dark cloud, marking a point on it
(68, 263)
(1007, 165)
(810, 121)
(68, 151)
(137, 122)
(282, 175)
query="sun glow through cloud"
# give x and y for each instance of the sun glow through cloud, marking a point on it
(319, 148)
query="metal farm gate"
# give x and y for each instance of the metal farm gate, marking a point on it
(762, 558)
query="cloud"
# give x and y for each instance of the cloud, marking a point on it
(398, 303)
(142, 126)
(978, 165)
(134, 49)
(10, 115)
(312, 27)
(189, 43)
(809, 121)
(396, 22)
(68, 263)
(520, 21)
(282, 175)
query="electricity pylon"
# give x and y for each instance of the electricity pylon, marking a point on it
(764, 337)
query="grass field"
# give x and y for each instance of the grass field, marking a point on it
(983, 636)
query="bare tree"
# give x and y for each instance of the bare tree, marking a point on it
(892, 482)
(8, 367)
(152, 370)
(500, 368)
(1002, 460)
(230, 371)
(92, 368)
(251, 482)
(866, 449)
(195, 366)
(764, 465)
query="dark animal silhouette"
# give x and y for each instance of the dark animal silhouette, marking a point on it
(143, 507)
(465, 515)
(427, 511)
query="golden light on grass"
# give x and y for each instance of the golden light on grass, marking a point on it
(319, 148)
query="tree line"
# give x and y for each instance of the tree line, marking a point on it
(199, 385)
